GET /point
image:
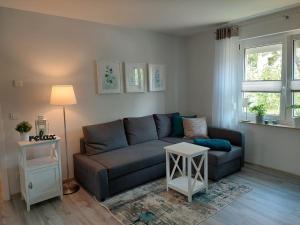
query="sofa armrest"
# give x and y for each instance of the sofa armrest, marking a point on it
(235, 137)
(91, 175)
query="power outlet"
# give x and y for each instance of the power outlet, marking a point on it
(17, 83)
(13, 116)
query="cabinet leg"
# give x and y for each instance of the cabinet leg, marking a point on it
(28, 207)
(190, 197)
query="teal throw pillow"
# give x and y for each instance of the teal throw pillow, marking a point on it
(177, 125)
(214, 144)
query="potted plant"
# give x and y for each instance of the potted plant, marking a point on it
(23, 128)
(260, 111)
(296, 118)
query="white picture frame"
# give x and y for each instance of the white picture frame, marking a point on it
(135, 77)
(109, 77)
(157, 77)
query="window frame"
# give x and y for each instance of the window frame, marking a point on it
(286, 95)
(292, 38)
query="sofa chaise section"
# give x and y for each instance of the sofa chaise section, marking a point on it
(220, 163)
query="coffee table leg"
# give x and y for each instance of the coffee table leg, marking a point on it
(206, 171)
(183, 166)
(167, 169)
(189, 179)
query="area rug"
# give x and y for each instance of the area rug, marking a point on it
(151, 204)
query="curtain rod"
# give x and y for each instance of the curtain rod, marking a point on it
(291, 32)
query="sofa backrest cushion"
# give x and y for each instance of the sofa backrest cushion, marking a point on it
(104, 137)
(140, 129)
(164, 124)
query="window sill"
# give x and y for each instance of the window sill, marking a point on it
(271, 125)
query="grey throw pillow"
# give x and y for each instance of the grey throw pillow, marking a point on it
(104, 137)
(163, 124)
(140, 129)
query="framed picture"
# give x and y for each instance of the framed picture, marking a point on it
(157, 77)
(109, 77)
(135, 77)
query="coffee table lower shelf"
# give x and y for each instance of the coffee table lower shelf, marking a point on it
(180, 184)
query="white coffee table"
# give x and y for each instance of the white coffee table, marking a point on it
(186, 184)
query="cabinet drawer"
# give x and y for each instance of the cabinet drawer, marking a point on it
(43, 184)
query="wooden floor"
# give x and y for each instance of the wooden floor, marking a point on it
(275, 199)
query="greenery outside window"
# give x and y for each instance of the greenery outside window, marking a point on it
(296, 101)
(296, 59)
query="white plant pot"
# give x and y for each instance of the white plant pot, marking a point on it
(24, 136)
(297, 122)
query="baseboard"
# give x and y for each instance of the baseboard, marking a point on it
(277, 171)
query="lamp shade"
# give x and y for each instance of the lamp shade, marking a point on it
(62, 95)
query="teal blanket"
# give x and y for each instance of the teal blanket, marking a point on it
(214, 144)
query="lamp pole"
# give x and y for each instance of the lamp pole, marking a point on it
(69, 187)
(64, 95)
(66, 142)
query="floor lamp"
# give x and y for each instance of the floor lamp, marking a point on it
(64, 95)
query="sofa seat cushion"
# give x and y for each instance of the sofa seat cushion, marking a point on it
(140, 129)
(220, 157)
(176, 140)
(127, 160)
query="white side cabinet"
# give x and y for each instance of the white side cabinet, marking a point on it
(40, 178)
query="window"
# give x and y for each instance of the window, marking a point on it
(262, 76)
(271, 74)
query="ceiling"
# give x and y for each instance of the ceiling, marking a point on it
(180, 17)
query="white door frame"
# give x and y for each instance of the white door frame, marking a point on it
(3, 166)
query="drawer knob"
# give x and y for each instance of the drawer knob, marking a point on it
(30, 186)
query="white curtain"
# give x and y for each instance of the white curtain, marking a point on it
(226, 84)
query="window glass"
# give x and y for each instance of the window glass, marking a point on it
(263, 63)
(270, 100)
(296, 59)
(296, 98)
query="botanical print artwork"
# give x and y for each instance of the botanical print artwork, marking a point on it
(110, 80)
(157, 82)
(157, 77)
(135, 77)
(109, 77)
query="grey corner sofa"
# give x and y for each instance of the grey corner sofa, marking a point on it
(122, 154)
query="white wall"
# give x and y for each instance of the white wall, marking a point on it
(272, 147)
(44, 50)
(4, 186)
(200, 66)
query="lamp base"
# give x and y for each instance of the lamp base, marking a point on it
(70, 187)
